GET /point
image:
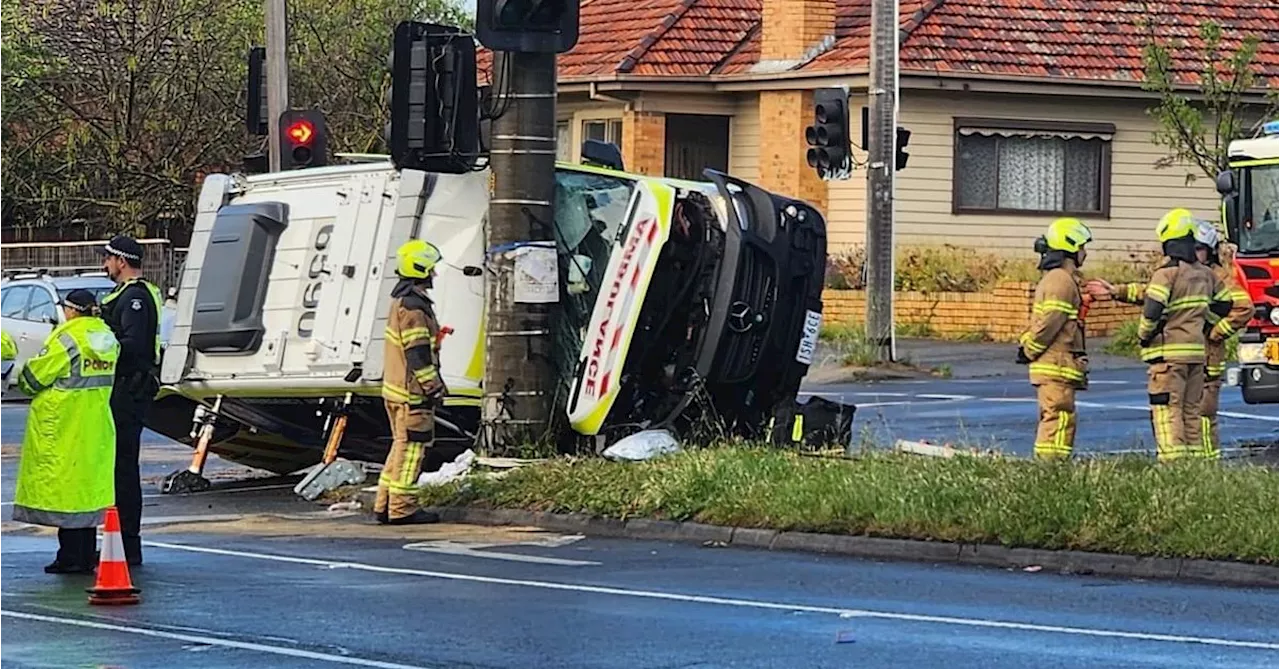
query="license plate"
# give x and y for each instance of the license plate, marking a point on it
(809, 338)
(1252, 353)
(1271, 351)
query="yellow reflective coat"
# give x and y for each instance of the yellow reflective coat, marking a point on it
(8, 348)
(66, 475)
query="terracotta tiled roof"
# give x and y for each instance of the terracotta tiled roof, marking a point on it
(1079, 39)
(703, 36)
(1069, 39)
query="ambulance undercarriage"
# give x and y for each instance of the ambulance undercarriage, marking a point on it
(680, 303)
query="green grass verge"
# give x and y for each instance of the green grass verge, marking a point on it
(1129, 506)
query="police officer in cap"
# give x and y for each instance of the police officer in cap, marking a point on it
(133, 312)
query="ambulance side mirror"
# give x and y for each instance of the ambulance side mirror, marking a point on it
(472, 270)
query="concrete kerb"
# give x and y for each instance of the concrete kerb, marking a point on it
(1065, 562)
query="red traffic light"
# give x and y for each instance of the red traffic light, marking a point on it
(301, 131)
(301, 139)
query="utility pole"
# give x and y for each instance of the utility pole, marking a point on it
(277, 77)
(518, 378)
(883, 107)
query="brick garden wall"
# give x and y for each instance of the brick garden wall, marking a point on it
(1001, 314)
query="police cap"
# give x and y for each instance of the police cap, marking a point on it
(125, 247)
(79, 299)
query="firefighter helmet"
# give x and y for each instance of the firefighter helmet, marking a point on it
(1068, 234)
(415, 259)
(1207, 234)
(1176, 224)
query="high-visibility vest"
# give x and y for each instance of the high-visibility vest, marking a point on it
(155, 297)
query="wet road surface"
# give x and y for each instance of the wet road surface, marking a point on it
(212, 600)
(1000, 412)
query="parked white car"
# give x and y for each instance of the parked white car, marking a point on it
(29, 307)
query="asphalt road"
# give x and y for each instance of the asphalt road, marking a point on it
(1000, 412)
(212, 600)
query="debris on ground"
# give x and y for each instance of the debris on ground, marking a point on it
(943, 451)
(1033, 568)
(449, 471)
(714, 543)
(644, 445)
(844, 636)
(353, 505)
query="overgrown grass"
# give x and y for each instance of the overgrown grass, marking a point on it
(959, 269)
(1129, 506)
(1124, 341)
(850, 342)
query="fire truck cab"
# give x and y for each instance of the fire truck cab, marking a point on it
(1250, 212)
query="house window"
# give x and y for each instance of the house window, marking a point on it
(609, 130)
(564, 142)
(1038, 167)
(695, 143)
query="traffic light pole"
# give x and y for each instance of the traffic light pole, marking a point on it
(277, 77)
(518, 372)
(882, 93)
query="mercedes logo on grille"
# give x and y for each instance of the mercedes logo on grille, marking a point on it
(741, 317)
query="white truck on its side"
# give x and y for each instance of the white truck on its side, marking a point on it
(668, 289)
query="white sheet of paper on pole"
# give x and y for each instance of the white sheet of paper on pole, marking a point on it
(537, 279)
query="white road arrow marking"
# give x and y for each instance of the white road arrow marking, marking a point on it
(475, 549)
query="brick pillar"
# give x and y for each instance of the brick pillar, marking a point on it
(783, 167)
(792, 27)
(644, 142)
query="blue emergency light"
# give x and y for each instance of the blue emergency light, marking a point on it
(1271, 128)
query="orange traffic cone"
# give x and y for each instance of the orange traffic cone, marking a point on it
(113, 586)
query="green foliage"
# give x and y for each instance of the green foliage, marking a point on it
(114, 109)
(1129, 505)
(932, 269)
(1197, 132)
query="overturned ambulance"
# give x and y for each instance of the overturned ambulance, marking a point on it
(678, 299)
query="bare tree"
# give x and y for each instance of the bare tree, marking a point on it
(1196, 129)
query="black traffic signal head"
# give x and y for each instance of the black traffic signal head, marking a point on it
(528, 26)
(435, 106)
(900, 155)
(828, 138)
(303, 141)
(256, 102)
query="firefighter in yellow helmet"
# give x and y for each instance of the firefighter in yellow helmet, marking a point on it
(1176, 305)
(1209, 252)
(411, 384)
(1053, 347)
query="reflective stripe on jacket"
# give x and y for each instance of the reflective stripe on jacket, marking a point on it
(1223, 328)
(66, 474)
(1055, 340)
(410, 370)
(1175, 307)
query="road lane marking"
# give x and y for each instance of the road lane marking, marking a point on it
(721, 601)
(474, 549)
(955, 398)
(212, 641)
(1248, 416)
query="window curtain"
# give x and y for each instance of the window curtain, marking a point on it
(1031, 174)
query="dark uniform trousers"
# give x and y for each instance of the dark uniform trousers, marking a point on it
(129, 410)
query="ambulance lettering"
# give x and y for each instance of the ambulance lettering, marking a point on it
(644, 231)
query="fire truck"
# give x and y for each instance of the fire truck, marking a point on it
(1249, 212)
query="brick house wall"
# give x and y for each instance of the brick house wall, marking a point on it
(1002, 314)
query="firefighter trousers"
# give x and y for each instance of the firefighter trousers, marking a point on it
(1056, 434)
(412, 433)
(1211, 447)
(1175, 390)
